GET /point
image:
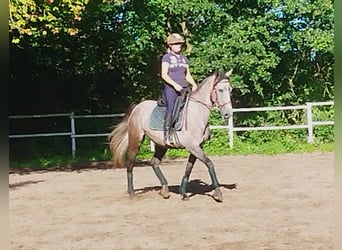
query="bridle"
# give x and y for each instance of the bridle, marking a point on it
(213, 98)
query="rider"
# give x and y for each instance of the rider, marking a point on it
(176, 74)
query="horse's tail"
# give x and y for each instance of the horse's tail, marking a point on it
(118, 140)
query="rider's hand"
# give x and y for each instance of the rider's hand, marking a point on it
(185, 91)
(178, 88)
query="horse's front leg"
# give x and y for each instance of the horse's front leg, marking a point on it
(185, 180)
(215, 184)
(198, 152)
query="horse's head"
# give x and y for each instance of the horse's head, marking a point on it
(220, 94)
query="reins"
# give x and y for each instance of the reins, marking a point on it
(191, 98)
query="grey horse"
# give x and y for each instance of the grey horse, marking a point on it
(126, 137)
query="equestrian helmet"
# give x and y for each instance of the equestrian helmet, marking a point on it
(174, 38)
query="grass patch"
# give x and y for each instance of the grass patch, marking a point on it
(217, 145)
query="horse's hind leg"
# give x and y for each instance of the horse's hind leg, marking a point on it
(185, 180)
(155, 161)
(130, 166)
(133, 147)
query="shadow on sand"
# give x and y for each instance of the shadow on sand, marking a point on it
(78, 167)
(22, 184)
(195, 187)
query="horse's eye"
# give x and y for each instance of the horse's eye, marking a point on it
(220, 90)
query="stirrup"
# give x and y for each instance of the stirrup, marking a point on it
(169, 142)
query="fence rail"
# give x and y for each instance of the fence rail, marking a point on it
(310, 123)
(309, 120)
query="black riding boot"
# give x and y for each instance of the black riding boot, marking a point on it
(167, 128)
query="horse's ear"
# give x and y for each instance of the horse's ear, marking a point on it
(229, 72)
(216, 73)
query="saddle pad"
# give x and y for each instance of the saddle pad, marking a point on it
(158, 116)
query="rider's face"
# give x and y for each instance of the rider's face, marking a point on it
(176, 47)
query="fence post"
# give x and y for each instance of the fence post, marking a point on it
(230, 132)
(310, 137)
(73, 133)
(152, 146)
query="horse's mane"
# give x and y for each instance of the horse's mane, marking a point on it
(218, 76)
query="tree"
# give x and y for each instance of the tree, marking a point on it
(101, 55)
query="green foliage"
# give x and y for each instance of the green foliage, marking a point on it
(100, 56)
(37, 19)
(281, 52)
(324, 133)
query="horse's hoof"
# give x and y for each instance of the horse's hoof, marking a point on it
(218, 195)
(185, 197)
(132, 195)
(164, 192)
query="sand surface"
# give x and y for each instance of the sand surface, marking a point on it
(270, 202)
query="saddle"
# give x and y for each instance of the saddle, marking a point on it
(158, 114)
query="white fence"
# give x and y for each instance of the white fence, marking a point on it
(309, 120)
(310, 123)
